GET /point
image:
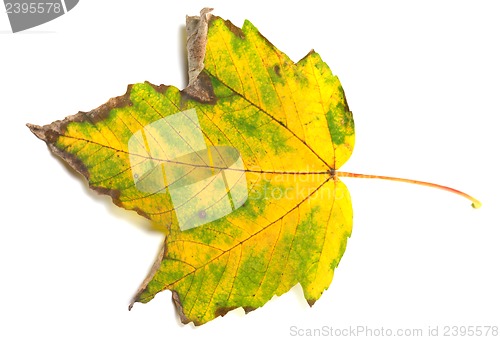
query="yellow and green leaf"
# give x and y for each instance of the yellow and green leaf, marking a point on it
(255, 140)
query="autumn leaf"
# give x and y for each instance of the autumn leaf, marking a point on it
(239, 169)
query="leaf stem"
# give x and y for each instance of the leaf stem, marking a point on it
(475, 203)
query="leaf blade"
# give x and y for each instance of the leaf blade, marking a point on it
(291, 128)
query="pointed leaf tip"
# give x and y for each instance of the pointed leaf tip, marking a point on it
(36, 130)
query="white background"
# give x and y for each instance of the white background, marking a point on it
(423, 81)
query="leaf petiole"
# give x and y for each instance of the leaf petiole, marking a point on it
(475, 203)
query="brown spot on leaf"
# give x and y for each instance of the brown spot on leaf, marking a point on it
(234, 29)
(178, 306)
(248, 309)
(115, 194)
(221, 311)
(277, 70)
(201, 90)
